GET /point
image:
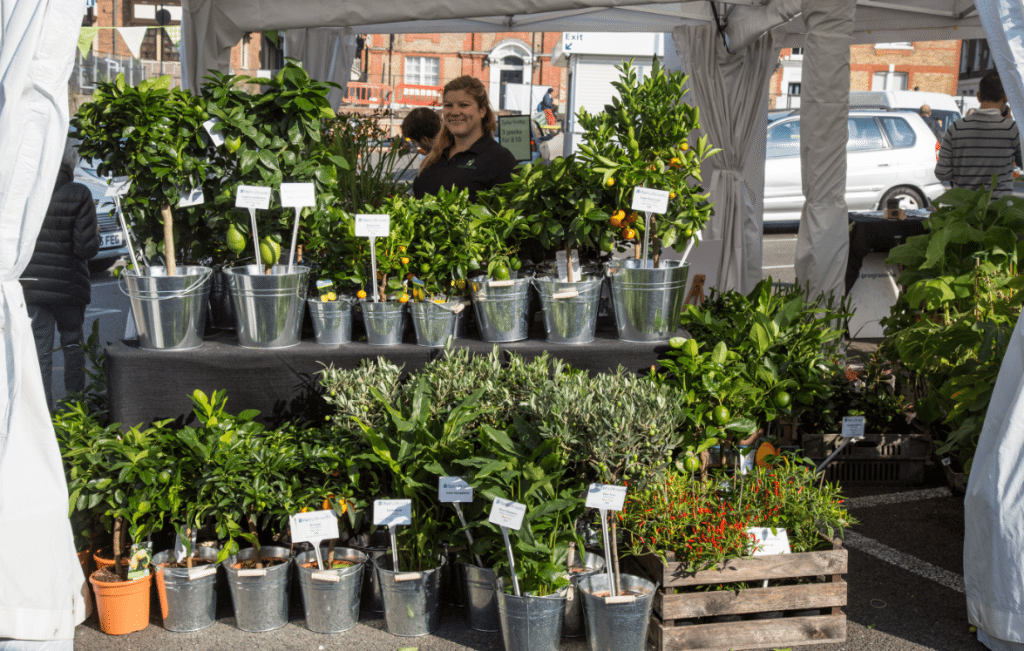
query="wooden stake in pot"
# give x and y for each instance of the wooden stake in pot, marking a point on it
(172, 267)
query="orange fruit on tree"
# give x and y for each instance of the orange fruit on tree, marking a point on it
(615, 220)
(684, 146)
(629, 233)
(610, 182)
(361, 294)
(632, 218)
(405, 260)
(671, 195)
(404, 298)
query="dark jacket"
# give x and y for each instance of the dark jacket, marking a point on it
(59, 269)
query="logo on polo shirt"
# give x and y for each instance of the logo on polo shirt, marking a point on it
(468, 165)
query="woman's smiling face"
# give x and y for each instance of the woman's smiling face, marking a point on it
(461, 114)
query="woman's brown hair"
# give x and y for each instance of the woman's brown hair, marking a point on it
(477, 91)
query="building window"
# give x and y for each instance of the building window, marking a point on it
(423, 71)
(796, 52)
(889, 81)
(794, 88)
(271, 56)
(903, 45)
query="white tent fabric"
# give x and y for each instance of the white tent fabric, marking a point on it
(731, 91)
(823, 241)
(994, 504)
(326, 54)
(994, 510)
(36, 55)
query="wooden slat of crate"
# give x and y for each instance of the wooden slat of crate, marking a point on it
(752, 634)
(752, 600)
(758, 568)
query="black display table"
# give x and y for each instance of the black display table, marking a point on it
(869, 232)
(145, 385)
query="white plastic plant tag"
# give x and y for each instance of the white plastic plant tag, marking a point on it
(769, 544)
(392, 512)
(326, 576)
(454, 489)
(606, 496)
(314, 526)
(853, 427)
(252, 572)
(254, 197)
(215, 136)
(118, 186)
(506, 513)
(193, 198)
(297, 195)
(408, 576)
(373, 225)
(650, 200)
(946, 461)
(201, 572)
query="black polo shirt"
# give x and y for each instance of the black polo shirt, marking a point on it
(481, 167)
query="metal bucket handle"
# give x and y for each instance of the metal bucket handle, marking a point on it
(121, 285)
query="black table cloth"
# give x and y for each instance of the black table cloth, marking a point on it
(147, 385)
(869, 232)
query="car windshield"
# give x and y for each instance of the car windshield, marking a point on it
(783, 139)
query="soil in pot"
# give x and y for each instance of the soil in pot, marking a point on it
(182, 564)
(337, 565)
(251, 564)
(105, 575)
(622, 593)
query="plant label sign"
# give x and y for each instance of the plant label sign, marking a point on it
(118, 186)
(506, 513)
(392, 512)
(253, 197)
(216, 137)
(192, 198)
(297, 195)
(454, 489)
(650, 200)
(768, 543)
(853, 427)
(606, 497)
(373, 225)
(314, 526)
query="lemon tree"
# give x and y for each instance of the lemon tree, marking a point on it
(643, 139)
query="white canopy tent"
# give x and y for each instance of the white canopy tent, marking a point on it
(31, 110)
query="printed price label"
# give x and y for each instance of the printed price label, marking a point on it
(392, 512)
(506, 513)
(454, 489)
(606, 496)
(297, 195)
(193, 198)
(373, 225)
(118, 186)
(650, 200)
(215, 136)
(253, 196)
(853, 427)
(314, 526)
(768, 543)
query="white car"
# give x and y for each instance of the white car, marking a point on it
(889, 155)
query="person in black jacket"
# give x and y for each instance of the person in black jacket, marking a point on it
(56, 281)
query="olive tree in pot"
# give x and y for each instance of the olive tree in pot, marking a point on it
(641, 140)
(153, 134)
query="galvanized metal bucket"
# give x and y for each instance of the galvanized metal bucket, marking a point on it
(371, 599)
(481, 602)
(572, 621)
(169, 311)
(648, 302)
(260, 596)
(434, 322)
(330, 597)
(570, 309)
(502, 307)
(268, 307)
(617, 624)
(530, 623)
(332, 320)
(411, 599)
(188, 597)
(385, 322)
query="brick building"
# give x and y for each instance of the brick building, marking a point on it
(435, 59)
(931, 66)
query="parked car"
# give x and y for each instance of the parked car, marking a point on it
(112, 244)
(945, 109)
(889, 155)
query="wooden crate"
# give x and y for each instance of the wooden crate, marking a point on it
(876, 459)
(676, 623)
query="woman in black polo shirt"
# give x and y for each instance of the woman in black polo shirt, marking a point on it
(465, 154)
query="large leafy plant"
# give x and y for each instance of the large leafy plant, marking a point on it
(153, 134)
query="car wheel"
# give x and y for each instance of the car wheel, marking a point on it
(909, 198)
(98, 266)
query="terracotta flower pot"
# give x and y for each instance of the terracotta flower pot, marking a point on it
(85, 559)
(103, 562)
(123, 607)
